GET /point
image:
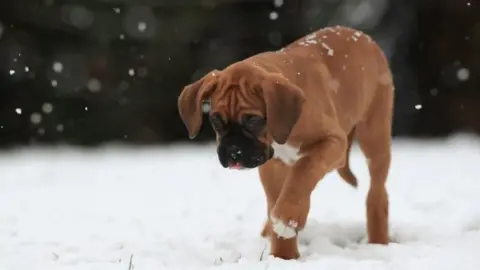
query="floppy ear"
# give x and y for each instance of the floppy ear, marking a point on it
(284, 102)
(190, 101)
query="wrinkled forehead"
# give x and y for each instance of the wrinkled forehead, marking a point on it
(233, 101)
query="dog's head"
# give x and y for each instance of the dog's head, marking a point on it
(250, 109)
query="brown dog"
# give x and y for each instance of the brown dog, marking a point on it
(293, 114)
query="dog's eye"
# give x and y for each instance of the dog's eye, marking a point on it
(253, 123)
(217, 122)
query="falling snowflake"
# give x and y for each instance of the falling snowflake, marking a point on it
(80, 17)
(57, 67)
(94, 85)
(11, 72)
(142, 26)
(140, 22)
(36, 118)
(418, 106)
(60, 128)
(463, 74)
(273, 15)
(47, 108)
(131, 72)
(18, 111)
(278, 3)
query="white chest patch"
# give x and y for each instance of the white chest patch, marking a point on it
(286, 153)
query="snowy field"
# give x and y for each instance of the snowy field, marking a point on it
(176, 208)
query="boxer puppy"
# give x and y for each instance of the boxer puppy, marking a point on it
(293, 114)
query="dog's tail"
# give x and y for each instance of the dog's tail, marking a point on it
(345, 171)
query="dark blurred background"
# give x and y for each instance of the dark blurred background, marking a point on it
(88, 72)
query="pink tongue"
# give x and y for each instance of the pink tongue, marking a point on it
(235, 166)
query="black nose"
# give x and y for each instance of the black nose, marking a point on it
(234, 153)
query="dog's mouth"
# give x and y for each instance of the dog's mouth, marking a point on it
(236, 166)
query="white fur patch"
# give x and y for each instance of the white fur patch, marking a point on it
(286, 153)
(286, 231)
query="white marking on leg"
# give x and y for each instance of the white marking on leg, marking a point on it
(286, 231)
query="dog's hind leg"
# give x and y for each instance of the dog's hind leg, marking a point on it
(374, 137)
(345, 172)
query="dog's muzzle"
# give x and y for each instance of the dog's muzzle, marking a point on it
(239, 150)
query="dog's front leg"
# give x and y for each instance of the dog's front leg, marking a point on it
(290, 212)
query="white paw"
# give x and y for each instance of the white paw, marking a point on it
(283, 230)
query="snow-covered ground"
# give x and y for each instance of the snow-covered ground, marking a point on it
(176, 208)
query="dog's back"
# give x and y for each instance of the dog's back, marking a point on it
(354, 64)
(346, 78)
